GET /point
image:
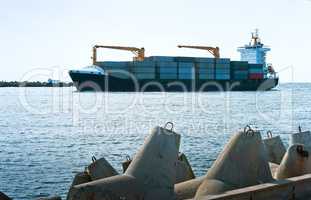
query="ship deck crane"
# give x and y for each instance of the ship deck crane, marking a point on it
(139, 52)
(213, 50)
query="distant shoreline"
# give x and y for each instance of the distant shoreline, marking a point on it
(33, 84)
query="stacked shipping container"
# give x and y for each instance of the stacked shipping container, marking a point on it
(206, 70)
(144, 70)
(186, 68)
(222, 69)
(167, 70)
(256, 71)
(239, 70)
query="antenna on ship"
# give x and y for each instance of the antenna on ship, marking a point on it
(255, 38)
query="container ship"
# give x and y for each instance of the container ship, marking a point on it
(180, 74)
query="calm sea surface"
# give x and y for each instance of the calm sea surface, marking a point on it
(48, 134)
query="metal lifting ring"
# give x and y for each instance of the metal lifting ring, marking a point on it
(250, 132)
(269, 134)
(172, 126)
(247, 128)
(128, 158)
(94, 158)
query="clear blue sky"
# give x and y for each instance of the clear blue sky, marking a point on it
(60, 33)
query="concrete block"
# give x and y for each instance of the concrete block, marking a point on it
(303, 137)
(296, 162)
(212, 187)
(242, 163)
(112, 188)
(80, 178)
(275, 148)
(4, 196)
(273, 168)
(150, 176)
(126, 163)
(187, 189)
(100, 168)
(184, 170)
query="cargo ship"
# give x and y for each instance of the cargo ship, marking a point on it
(180, 74)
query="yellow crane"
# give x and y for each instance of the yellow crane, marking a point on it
(139, 52)
(213, 50)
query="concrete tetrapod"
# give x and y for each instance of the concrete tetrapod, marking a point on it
(81, 177)
(273, 168)
(184, 170)
(242, 163)
(150, 176)
(96, 170)
(126, 163)
(302, 137)
(4, 196)
(296, 162)
(275, 148)
(187, 189)
(100, 168)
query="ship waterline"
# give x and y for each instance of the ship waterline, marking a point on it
(106, 82)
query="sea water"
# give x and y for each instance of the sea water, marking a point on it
(49, 134)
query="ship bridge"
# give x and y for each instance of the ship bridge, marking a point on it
(254, 52)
